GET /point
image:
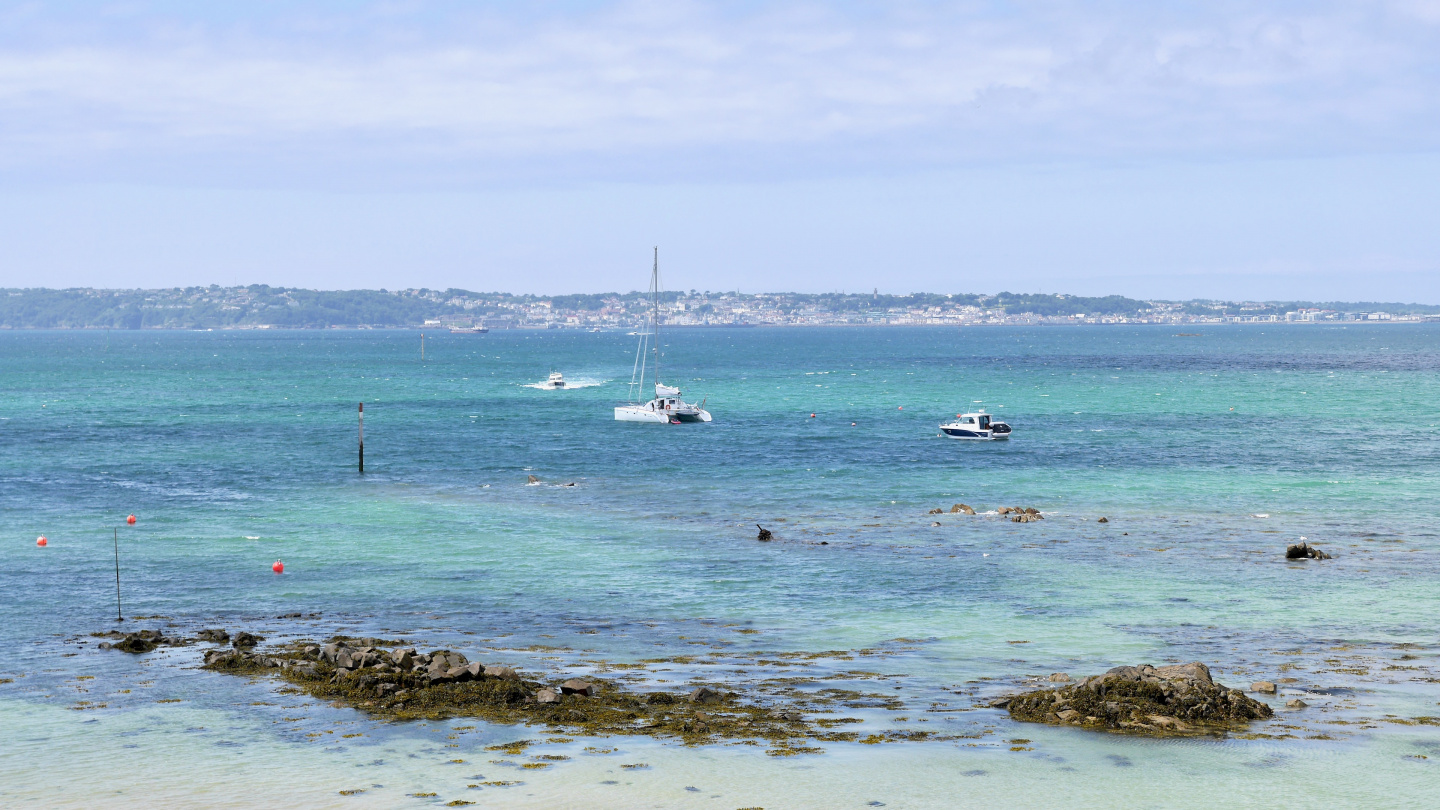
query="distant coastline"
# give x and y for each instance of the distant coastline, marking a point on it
(262, 307)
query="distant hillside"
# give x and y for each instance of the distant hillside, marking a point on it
(260, 305)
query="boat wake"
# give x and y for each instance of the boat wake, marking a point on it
(580, 383)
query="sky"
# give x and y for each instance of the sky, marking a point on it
(1237, 150)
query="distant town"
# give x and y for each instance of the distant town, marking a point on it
(258, 306)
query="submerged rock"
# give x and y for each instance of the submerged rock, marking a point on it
(1103, 520)
(1144, 699)
(1263, 686)
(961, 509)
(1303, 551)
(936, 512)
(532, 479)
(246, 640)
(1027, 517)
(764, 533)
(1296, 703)
(215, 635)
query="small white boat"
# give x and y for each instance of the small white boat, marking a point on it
(667, 407)
(979, 426)
(556, 380)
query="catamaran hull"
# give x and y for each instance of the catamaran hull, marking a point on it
(636, 413)
(642, 413)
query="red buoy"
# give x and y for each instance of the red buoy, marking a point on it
(42, 542)
(812, 416)
(902, 407)
(130, 520)
(278, 567)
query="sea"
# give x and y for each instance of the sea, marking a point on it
(1207, 449)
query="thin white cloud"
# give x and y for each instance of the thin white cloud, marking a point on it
(904, 82)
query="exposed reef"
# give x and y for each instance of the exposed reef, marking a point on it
(387, 679)
(1180, 699)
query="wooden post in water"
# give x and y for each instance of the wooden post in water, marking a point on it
(422, 347)
(362, 438)
(118, 616)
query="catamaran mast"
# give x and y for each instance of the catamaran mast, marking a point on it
(655, 286)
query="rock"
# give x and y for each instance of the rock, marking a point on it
(532, 479)
(936, 523)
(502, 672)
(705, 694)
(1059, 677)
(403, 658)
(385, 689)
(1004, 510)
(438, 676)
(345, 659)
(659, 699)
(1103, 520)
(216, 636)
(329, 651)
(1296, 703)
(764, 534)
(961, 509)
(459, 674)
(1175, 699)
(936, 512)
(475, 671)
(246, 640)
(136, 643)
(547, 696)
(1303, 551)
(1027, 517)
(1263, 686)
(575, 686)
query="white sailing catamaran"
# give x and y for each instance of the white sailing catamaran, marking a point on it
(667, 407)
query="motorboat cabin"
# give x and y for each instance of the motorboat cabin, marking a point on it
(976, 426)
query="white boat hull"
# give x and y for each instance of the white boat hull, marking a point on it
(639, 413)
(661, 412)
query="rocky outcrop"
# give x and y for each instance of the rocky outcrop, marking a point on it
(1103, 520)
(1304, 551)
(215, 636)
(1021, 514)
(936, 512)
(1180, 699)
(532, 479)
(962, 509)
(140, 641)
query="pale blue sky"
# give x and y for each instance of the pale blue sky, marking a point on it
(1157, 149)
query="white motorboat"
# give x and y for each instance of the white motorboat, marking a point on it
(556, 380)
(979, 426)
(468, 330)
(666, 407)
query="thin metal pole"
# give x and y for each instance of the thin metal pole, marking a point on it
(362, 438)
(422, 346)
(118, 616)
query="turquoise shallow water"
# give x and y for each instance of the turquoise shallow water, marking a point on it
(238, 448)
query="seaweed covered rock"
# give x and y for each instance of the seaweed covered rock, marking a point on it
(1144, 699)
(962, 509)
(1304, 551)
(764, 534)
(141, 641)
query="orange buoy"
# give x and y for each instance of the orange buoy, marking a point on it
(278, 567)
(41, 541)
(902, 407)
(812, 416)
(130, 520)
